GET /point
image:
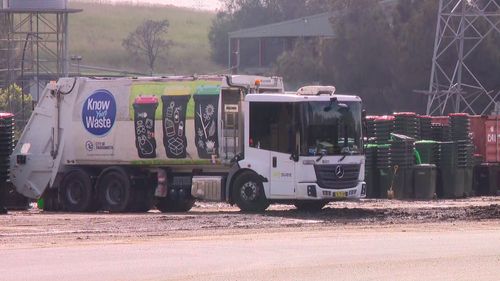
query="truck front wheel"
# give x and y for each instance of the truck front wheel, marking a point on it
(115, 191)
(76, 191)
(248, 193)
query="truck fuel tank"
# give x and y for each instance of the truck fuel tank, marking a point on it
(209, 188)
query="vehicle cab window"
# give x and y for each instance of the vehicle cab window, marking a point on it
(272, 126)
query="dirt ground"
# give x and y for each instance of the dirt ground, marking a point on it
(43, 229)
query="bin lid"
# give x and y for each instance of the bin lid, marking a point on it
(4, 115)
(384, 118)
(459, 115)
(412, 114)
(208, 90)
(401, 137)
(146, 100)
(383, 145)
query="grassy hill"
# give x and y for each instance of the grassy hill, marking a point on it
(97, 33)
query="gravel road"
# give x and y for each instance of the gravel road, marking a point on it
(40, 227)
(369, 239)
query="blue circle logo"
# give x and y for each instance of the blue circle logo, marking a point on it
(99, 113)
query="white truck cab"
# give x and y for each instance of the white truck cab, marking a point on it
(304, 147)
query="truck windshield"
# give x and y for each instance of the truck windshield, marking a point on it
(330, 128)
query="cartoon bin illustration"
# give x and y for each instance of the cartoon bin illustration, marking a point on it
(144, 123)
(175, 102)
(206, 111)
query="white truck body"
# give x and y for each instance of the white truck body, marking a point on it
(195, 131)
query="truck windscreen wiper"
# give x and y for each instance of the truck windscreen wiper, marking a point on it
(321, 157)
(343, 157)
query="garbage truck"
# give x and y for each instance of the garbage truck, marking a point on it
(128, 144)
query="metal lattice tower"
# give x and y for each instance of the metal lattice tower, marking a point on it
(34, 46)
(462, 26)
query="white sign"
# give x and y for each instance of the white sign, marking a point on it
(492, 136)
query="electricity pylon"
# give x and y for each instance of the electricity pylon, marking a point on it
(461, 28)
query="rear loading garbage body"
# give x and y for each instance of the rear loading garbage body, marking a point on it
(124, 144)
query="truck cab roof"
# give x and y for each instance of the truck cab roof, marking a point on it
(294, 97)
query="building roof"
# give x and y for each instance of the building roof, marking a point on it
(312, 26)
(318, 25)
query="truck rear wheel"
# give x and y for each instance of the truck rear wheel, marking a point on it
(115, 191)
(310, 206)
(76, 191)
(248, 193)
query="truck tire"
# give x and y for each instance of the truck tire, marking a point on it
(248, 193)
(310, 206)
(76, 192)
(115, 191)
(166, 205)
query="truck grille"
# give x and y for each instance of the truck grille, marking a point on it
(327, 178)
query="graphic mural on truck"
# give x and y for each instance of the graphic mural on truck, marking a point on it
(206, 108)
(188, 111)
(99, 113)
(174, 124)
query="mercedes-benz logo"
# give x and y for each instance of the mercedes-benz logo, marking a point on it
(339, 171)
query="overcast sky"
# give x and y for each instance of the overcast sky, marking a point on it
(196, 4)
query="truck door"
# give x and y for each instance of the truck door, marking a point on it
(272, 130)
(282, 175)
(282, 139)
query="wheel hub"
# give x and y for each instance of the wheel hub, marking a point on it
(249, 191)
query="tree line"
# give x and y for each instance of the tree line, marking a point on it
(381, 52)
